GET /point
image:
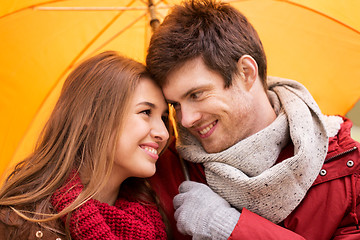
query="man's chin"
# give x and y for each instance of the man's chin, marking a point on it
(212, 148)
(215, 146)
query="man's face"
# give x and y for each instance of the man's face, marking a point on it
(218, 117)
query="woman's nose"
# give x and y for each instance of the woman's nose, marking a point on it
(160, 131)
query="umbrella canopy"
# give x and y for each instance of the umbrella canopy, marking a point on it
(314, 42)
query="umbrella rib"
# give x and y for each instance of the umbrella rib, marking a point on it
(93, 40)
(322, 14)
(44, 8)
(93, 8)
(90, 43)
(167, 5)
(32, 6)
(75, 60)
(309, 9)
(89, 8)
(119, 33)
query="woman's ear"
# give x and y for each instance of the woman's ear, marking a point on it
(248, 70)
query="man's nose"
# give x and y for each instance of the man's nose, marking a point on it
(189, 116)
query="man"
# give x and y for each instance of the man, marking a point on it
(276, 168)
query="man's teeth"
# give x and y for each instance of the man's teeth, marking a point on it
(207, 129)
(150, 149)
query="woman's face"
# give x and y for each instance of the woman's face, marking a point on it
(144, 134)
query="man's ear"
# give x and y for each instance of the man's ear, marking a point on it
(248, 70)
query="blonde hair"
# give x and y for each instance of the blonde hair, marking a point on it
(90, 109)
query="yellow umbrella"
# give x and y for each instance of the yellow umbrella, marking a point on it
(314, 42)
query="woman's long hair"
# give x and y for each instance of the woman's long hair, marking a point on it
(91, 108)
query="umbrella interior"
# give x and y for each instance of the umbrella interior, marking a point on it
(314, 42)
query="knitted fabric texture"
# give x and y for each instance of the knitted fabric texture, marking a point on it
(246, 174)
(96, 220)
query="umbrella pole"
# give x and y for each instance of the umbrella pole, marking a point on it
(184, 169)
(154, 21)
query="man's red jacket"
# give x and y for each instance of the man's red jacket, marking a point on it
(330, 209)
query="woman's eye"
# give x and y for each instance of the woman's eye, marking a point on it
(147, 112)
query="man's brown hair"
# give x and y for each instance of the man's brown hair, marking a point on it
(214, 31)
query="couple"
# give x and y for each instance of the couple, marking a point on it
(264, 163)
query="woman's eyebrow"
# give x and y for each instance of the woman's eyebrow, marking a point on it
(147, 104)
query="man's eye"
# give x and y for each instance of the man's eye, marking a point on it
(195, 95)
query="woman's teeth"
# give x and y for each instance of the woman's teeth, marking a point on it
(150, 149)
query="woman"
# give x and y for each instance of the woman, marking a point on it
(85, 178)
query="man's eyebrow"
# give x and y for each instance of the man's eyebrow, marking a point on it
(187, 93)
(147, 104)
(191, 90)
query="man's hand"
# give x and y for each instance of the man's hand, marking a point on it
(202, 213)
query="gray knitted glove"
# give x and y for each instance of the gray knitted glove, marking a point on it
(202, 213)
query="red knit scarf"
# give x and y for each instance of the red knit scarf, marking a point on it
(96, 220)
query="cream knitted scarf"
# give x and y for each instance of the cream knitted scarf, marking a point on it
(245, 174)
